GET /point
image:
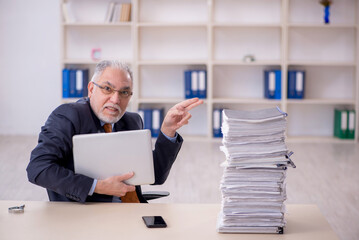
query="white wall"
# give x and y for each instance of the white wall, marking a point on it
(30, 70)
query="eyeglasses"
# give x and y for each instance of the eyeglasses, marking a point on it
(107, 90)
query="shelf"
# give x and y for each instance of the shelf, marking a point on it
(172, 24)
(245, 101)
(90, 24)
(164, 101)
(173, 62)
(326, 45)
(166, 38)
(308, 25)
(173, 44)
(311, 12)
(321, 63)
(90, 61)
(248, 25)
(171, 11)
(160, 100)
(242, 63)
(232, 43)
(114, 43)
(322, 101)
(247, 11)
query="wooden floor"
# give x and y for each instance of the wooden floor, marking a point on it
(327, 175)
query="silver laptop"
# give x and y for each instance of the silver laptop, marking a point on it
(103, 155)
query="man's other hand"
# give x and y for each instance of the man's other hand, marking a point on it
(178, 116)
(115, 185)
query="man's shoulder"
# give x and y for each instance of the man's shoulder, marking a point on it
(132, 115)
(131, 120)
(80, 106)
(75, 112)
(78, 114)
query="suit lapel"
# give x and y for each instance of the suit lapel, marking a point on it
(126, 123)
(120, 125)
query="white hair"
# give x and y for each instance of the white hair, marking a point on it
(101, 66)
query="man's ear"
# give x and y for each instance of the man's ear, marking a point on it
(90, 88)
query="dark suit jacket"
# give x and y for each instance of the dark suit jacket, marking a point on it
(51, 164)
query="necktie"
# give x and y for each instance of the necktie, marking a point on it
(130, 197)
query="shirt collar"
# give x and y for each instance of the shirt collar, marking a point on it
(102, 123)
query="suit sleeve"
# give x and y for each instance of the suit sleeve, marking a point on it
(51, 162)
(164, 155)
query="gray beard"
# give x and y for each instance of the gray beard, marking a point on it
(110, 120)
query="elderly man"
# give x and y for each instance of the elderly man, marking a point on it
(51, 164)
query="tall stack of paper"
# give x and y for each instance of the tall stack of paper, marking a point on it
(253, 182)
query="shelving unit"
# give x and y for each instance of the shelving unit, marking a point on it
(166, 37)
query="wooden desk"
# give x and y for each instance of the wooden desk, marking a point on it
(51, 220)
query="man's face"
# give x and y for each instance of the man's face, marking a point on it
(109, 108)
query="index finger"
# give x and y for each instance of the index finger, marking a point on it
(190, 103)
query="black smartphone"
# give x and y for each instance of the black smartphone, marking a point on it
(154, 221)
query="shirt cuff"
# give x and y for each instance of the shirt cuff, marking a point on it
(172, 139)
(93, 187)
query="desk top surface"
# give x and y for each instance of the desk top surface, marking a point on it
(55, 220)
